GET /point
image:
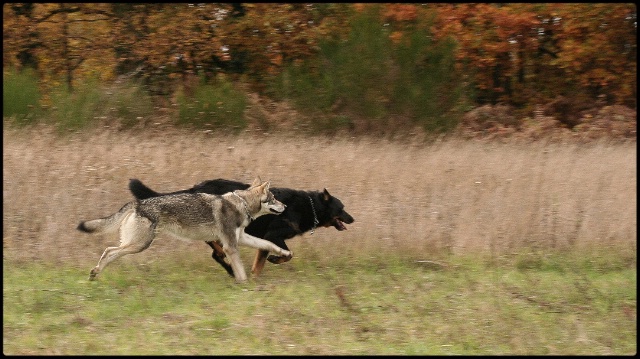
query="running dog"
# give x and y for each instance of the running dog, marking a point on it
(306, 210)
(195, 216)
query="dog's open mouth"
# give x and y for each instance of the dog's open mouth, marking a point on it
(339, 225)
(273, 210)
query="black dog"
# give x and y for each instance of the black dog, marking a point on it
(305, 211)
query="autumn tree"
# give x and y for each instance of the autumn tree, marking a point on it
(596, 47)
(20, 40)
(63, 40)
(519, 54)
(173, 41)
(267, 37)
(494, 42)
(525, 53)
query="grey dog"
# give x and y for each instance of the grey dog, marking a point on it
(194, 216)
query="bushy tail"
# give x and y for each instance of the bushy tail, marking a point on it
(140, 191)
(107, 224)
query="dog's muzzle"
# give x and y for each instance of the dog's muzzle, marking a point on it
(278, 210)
(338, 222)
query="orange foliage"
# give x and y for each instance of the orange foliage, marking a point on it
(544, 49)
(517, 53)
(400, 12)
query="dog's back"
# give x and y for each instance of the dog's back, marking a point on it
(184, 208)
(217, 186)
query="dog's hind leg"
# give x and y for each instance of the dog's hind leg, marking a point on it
(136, 235)
(219, 256)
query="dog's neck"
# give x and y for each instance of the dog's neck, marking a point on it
(246, 207)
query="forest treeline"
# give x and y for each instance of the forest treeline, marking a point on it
(419, 62)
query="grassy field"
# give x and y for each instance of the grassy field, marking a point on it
(459, 247)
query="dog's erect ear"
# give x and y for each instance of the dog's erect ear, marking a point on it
(265, 187)
(256, 182)
(326, 195)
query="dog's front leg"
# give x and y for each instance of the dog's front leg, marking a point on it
(277, 259)
(258, 262)
(236, 263)
(259, 243)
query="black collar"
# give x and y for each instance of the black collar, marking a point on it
(315, 218)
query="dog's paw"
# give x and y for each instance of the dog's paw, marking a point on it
(279, 259)
(92, 275)
(242, 280)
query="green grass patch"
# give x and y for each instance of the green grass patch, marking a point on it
(20, 96)
(125, 103)
(375, 305)
(219, 106)
(90, 103)
(77, 109)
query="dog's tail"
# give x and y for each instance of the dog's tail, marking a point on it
(140, 191)
(107, 224)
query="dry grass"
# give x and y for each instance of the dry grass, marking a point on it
(408, 198)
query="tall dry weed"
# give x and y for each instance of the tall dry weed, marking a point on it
(453, 196)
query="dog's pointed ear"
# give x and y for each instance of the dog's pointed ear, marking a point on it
(326, 196)
(263, 188)
(256, 182)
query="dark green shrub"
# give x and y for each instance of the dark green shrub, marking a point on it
(90, 102)
(21, 96)
(218, 106)
(77, 109)
(371, 78)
